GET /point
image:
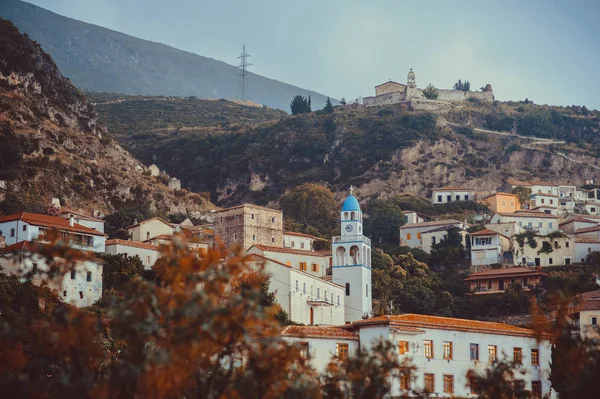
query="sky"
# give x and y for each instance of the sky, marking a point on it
(544, 50)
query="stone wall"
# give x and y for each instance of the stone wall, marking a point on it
(389, 87)
(413, 93)
(249, 225)
(384, 99)
(460, 96)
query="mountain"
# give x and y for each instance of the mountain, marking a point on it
(52, 144)
(381, 150)
(99, 59)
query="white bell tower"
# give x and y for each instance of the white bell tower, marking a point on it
(351, 261)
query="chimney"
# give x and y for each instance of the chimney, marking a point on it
(56, 202)
(71, 220)
(135, 221)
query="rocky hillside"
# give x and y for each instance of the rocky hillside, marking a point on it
(99, 59)
(52, 144)
(381, 150)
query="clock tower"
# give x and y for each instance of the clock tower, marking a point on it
(351, 261)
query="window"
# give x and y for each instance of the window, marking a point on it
(292, 244)
(272, 220)
(24, 227)
(466, 197)
(474, 350)
(65, 293)
(403, 347)
(543, 201)
(432, 240)
(296, 285)
(88, 276)
(492, 353)
(237, 216)
(428, 348)
(12, 232)
(449, 198)
(34, 268)
(518, 355)
(429, 383)
(483, 240)
(304, 350)
(540, 225)
(147, 235)
(341, 351)
(315, 267)
(252, 216)
(448, 383)
(302, 245)
(235, 236)
(549, 225)
(503, 203)
(447, 350)
(303, 266)
(304, 288)
(535, 357)
(338, 302)
(458, 197)
(551, 202)
(272, 239)
(567, 261)
(318, 293)
(404, 380)
(147, 260)
(549, 261)
(594, 321)
(519, 386)
(536, 389)
(439, 198)
(347, 289)
(566, 243)
(408, 236)
(73, 273)
(418, 236)
(512, 203)
(80, 294)
(253, 237)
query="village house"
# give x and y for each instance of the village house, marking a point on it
(442, 350)
(507, 229)
(298, 240)
(249, 225)
(585, 314)
(411, 234)
(488, 247)
(448, 194)
(82, 219)
(588, 232)
(502, 202)
(25, 233)
(411, 217)
(575, 223)
(150, 228)
(312, 262)
(496, 281)
(584, 246)
(147, 253)
(556, 249)
(536, 186)
(539, 222)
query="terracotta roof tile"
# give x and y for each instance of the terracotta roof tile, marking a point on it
(505, 272)
(587, 229)
(134, 244)
(447, 323)
(587, 240)
(578, 219)
(486, 232)
(34, 246)
(318, 332)
(266, 248)
(431, 224)
(528, 214)
(53, 222)
(452, 188)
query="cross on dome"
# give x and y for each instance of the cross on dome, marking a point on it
(351, 189)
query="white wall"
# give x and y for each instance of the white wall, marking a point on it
(294, 260)
(149, 229)
(469, 194)
(583, 249)
(541, 224)
(297, 242)
(143, 253)
(322, 350)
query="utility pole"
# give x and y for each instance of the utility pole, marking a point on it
(243, 66)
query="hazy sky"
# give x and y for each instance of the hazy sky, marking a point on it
(546, 50)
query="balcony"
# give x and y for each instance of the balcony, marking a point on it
(356, 238)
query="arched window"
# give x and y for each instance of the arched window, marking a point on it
(304, 288)
(147, 235)
(296, 285)
(352, 216)
(318, 293)
(340, 254)
(347, 289)
(345, 215)
(367, 290)
(338, 300)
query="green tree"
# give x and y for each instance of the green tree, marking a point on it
(311, 205)
(460, 85)
(384, 221)
(498, 382)
(298, 105)
(430, 92)
(450, 251)
(117, 270)
(523, 193)
(328, 106)
(343, 101)
(117, 222)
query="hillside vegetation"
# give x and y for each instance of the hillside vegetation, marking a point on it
(52, 144)
(99, 59)
(381, 150)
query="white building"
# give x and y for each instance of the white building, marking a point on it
(148, 229)
(573, 224)
(82, 219)
(585, 246)
(351, 261)
(448, 194)
(442, 349)
(547, 251)
(295, 240)
(536, 186)
(305, 298)
(312, 262)
(586, 315)
(411, 234)
(147, 253)
(411, 217)
(507, 229)
(488, 247)
(538, 222)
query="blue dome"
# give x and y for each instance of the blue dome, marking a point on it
(351, 204)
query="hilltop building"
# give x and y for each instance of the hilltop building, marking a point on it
(392, 92)
(249, 225)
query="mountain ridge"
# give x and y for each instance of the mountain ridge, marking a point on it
(104, 60)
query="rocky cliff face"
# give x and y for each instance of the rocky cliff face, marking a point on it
(54, 146)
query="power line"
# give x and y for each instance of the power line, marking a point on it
(243, 66)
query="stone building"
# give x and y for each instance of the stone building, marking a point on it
(174, 183)
(250, 225)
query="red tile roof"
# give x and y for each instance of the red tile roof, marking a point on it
(318, 332)
(293, 251)
(66, 209)
(260, 258)
(578, 219)
(431, 224)
(505, 272)
(134, 244)
(50, 222)
(447, 323)
(293, 233)
(500, 193)
(528, 214)
(32, 246)
(486, 232)
(515, 182)
(587, 240)
(587, 229)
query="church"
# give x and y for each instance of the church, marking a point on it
(314, 287)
